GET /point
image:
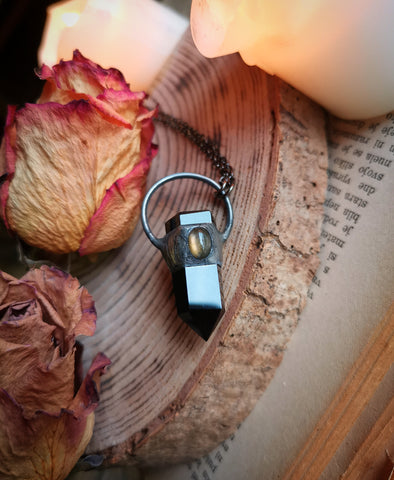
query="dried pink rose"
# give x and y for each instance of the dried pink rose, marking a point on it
(46, 413)
(74, 165)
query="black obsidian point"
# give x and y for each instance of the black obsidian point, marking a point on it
(198, 298)
(192, 249)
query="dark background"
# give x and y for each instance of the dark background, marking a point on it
(21, 26)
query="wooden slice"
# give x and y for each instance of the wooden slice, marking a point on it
(169, 395)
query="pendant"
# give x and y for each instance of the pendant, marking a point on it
(192, 249)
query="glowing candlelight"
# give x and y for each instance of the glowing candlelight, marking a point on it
(135, 36)
(340, 53)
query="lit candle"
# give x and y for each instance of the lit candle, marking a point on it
(338, 52)
(135, 36)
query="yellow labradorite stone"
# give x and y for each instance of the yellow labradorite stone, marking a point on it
(200, 242)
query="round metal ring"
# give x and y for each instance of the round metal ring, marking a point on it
(177, 176)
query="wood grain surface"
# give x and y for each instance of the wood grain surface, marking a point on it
(169, 395)
(375, 458)
(356, 391)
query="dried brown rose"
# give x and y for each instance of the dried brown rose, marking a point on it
(46, 418)
(74, 165)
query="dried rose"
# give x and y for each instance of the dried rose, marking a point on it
(46, 418)
(74, 164)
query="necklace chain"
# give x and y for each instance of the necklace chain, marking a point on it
(207, 146)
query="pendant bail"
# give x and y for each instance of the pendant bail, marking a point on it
(157, 242)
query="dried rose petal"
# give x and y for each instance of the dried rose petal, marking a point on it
(61, 157)
(47, 446)
(45, 424)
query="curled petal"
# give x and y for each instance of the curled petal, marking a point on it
(79, 75)
(12, 290)
(106, 89)
(87, 397)
(41, 315)
(121, 202)
(47, 446)
(35, 385)
(27, 328)
(127, 104)
(101, 78)
(118, 214)
(84, 80)
(72, 303)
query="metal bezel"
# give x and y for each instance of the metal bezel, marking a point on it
(158, 242)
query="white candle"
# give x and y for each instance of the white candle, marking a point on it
(338, 52)
(134, 36)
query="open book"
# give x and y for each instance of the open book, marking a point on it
(350, 294)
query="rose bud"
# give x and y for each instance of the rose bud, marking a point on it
(46, 413)
(73, 166)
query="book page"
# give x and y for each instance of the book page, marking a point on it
(349, 295)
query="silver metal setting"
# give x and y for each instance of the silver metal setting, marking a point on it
(159, 242)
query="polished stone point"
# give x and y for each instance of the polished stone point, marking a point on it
(198, 298)
(192, 249)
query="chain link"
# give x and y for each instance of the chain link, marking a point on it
(207, 146)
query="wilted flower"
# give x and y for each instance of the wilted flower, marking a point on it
(46, 413)
(73, 166)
